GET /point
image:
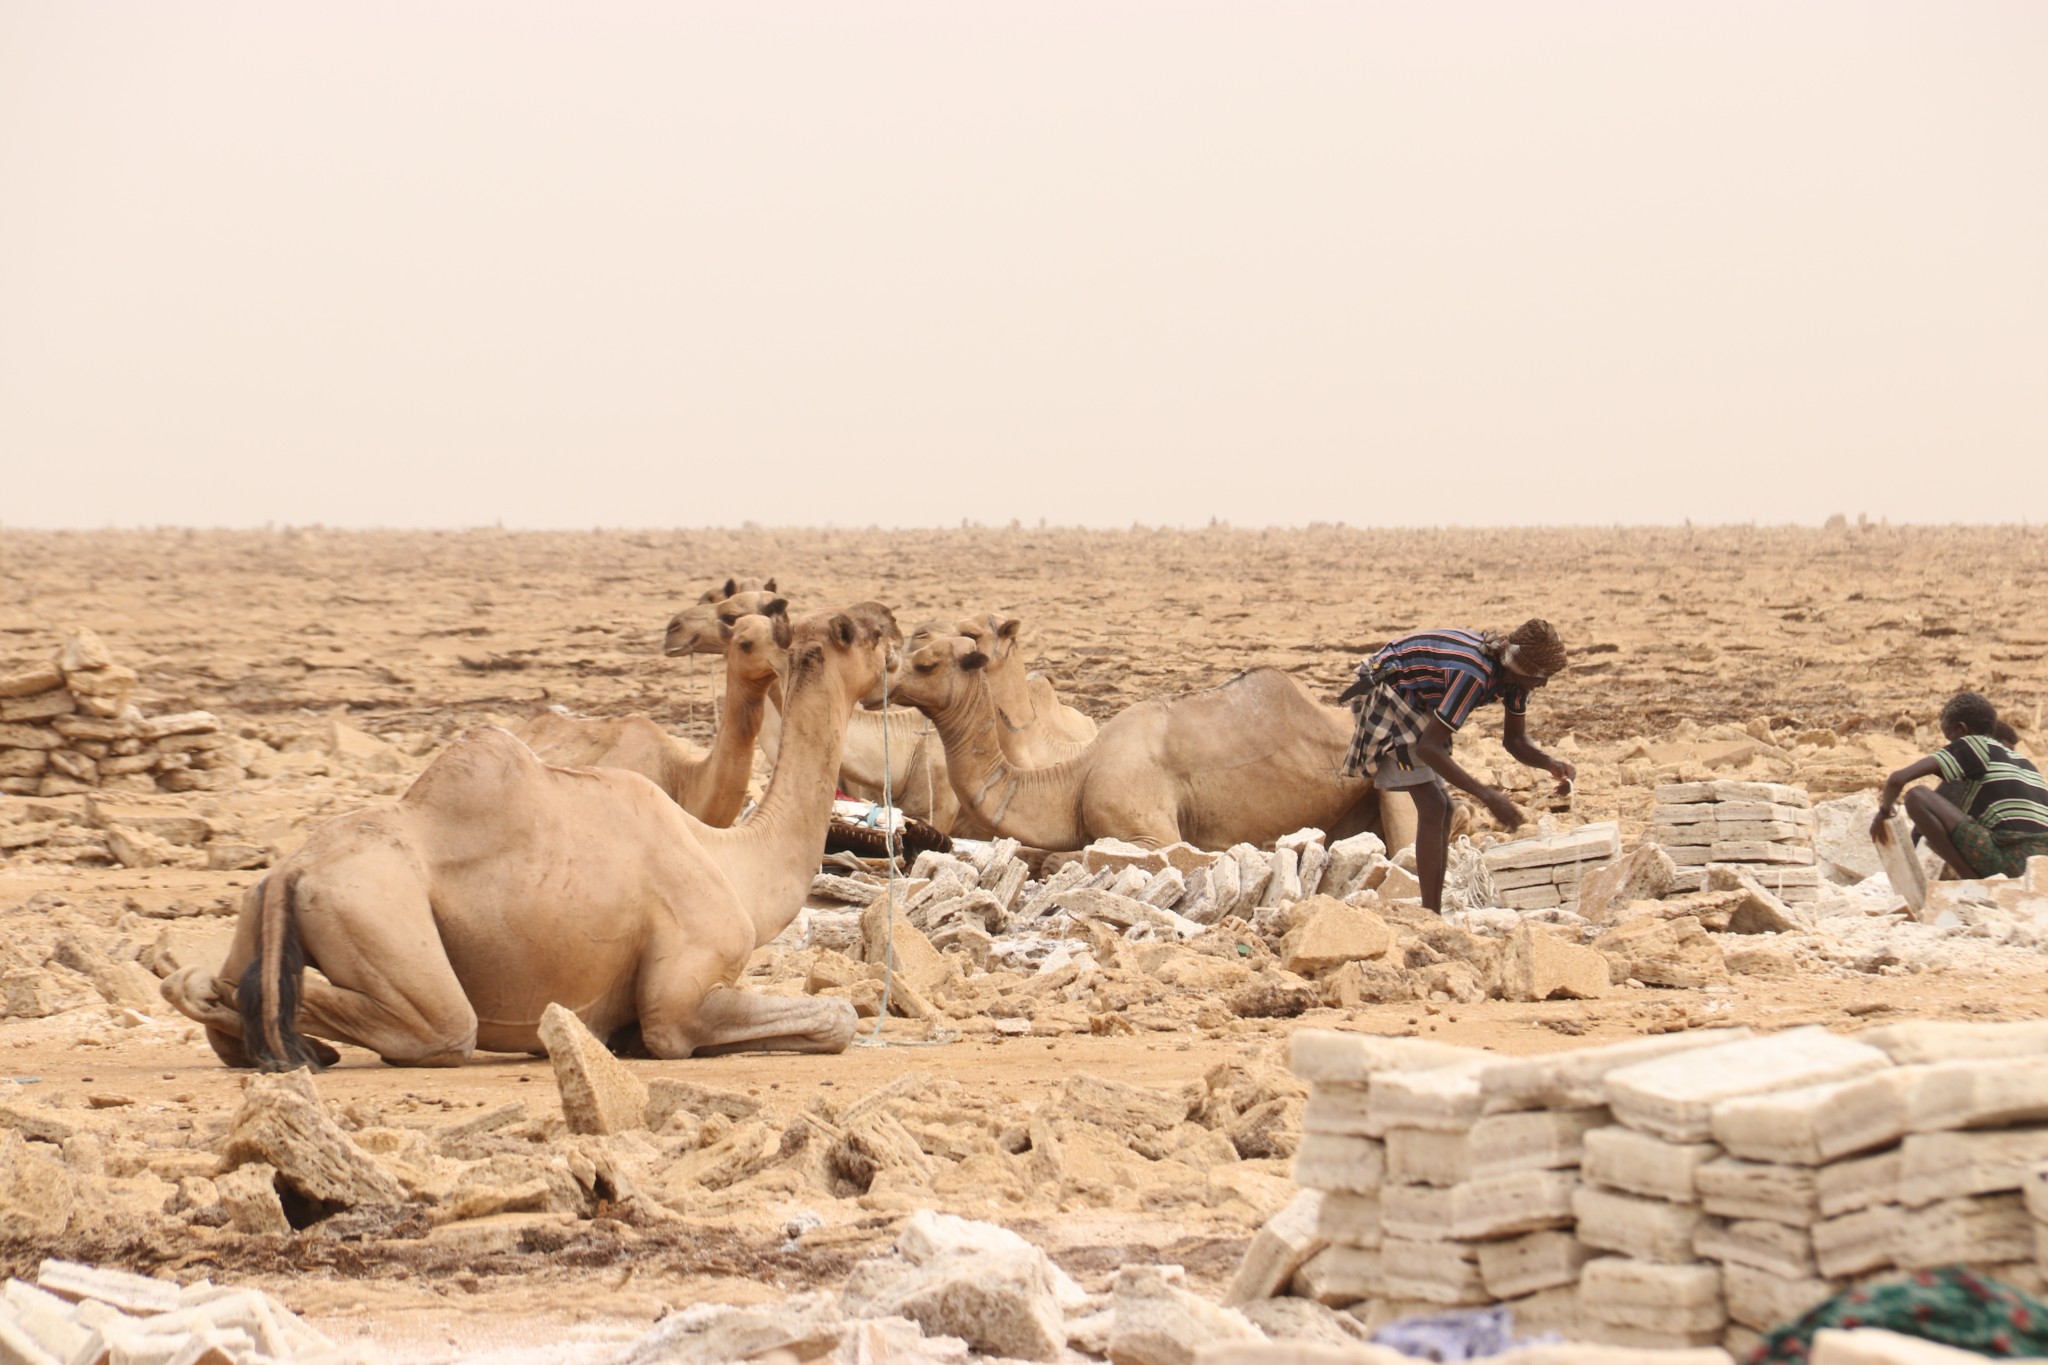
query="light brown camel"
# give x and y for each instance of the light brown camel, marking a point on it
(447, 921)
(1247, 762)
(711, 785)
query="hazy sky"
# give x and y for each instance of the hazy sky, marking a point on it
(669, 264)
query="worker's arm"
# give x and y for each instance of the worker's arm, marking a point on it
(1896, 783)
(1432, 746)
(1515, 737)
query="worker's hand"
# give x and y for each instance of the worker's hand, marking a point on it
(1566, 774)
(1878, 833)
(1501, 809)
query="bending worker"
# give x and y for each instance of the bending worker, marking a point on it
(1999, 815)
(1414, 694)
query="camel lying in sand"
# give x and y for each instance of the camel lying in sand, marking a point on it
(1037, 727)
(1246, 762)
(447, 921)
(711, 785)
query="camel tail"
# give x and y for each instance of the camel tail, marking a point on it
(269, 991)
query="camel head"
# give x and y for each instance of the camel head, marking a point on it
(857, 647)
(704, 627)
(993, 634)
(757, 645)
(934, 672)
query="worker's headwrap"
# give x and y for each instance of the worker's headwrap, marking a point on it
(1532, 648)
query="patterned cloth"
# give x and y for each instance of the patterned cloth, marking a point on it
(1442, 673)
(1952, 1305)
(2002, 791)
(2001, 852)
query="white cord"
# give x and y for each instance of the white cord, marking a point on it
(889, 846)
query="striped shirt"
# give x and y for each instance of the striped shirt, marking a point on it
(1447, 674)
(2001, 790)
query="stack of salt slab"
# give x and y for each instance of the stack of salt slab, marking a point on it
(1742, 1180)
(1543, 873)
(1764, 828)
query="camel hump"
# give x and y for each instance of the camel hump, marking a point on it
(486, 759)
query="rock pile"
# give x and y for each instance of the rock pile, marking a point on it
(68, 726)
(1696, 1189)
(1764, 828)
(84, 1313)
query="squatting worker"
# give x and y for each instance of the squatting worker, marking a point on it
(1413, 695)
(2000, 818)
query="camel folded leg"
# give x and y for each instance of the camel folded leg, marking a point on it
(733, 1020)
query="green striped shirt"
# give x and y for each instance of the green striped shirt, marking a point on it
(2001, 790)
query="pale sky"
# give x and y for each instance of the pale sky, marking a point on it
(693, 264)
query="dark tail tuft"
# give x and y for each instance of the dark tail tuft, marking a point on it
(269, 990)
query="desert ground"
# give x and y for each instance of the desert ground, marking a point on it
(1817, 657)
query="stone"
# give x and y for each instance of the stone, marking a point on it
(1324, 1055)
(599, 1093)
(1349, 1219)
(121, 1289)
(1731, 1188)
(1279, 1248)
(1435, 1272)
(37, 1191)
(1643, 874)
(1120, 1107)
(132, 848)
(1919, 1041)
(74, 765)
(1762, 1300)
(1537, 1260)
(233, 857)
(1254, 870)
(1337, 1109)
(1300, 1321)
(281, 1124)
(1314, 859)
(1673, 1097)
(1977, 1094)
(1499, 1206)
(1937, 1166)
(913, 960)
(1495, 1144)
(1399, 884)
(40, 707)
(1594, 843)
(1645, 1229)
(1857, 1243)
(1283, 886)
(1977, 1229)
(83, 650)
(1338, 1276)
(1331, 1161)
(803, 1327)
(1577, 1078)
(1875, 1346)
(1328, 933)
(1160, 1323)
(23, 762)
(29, 737)
(1816, 1124)
(1622, 1292)
(1443, 1099)
(1757, 1243)
(1541, 966)
(1638, 1163)
(1114, 855)
(31, 682)
(248, 1194)
(178, 723)
(1664, 952)
(1841, 836)
(1844, 1186)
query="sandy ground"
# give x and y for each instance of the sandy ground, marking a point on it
(1843, 644)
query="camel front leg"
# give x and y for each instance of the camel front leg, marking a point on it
(732, 1020)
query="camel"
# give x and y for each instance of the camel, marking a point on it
(1248, 761)
(710, 785)
(447, 921)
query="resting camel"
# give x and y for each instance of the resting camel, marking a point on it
(710, 785)
(447, 921)
(1247, 762)
(1037, 727)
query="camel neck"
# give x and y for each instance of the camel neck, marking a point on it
(772, 855)
(1038, 806)
(731, 761)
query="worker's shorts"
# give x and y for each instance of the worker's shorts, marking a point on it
(1389, 775)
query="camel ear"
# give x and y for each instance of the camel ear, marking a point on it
(768, 585)
(844, 630)
(1009, 628)
(778, 607)
(973, 662)
(783, 633)
(732, 587)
